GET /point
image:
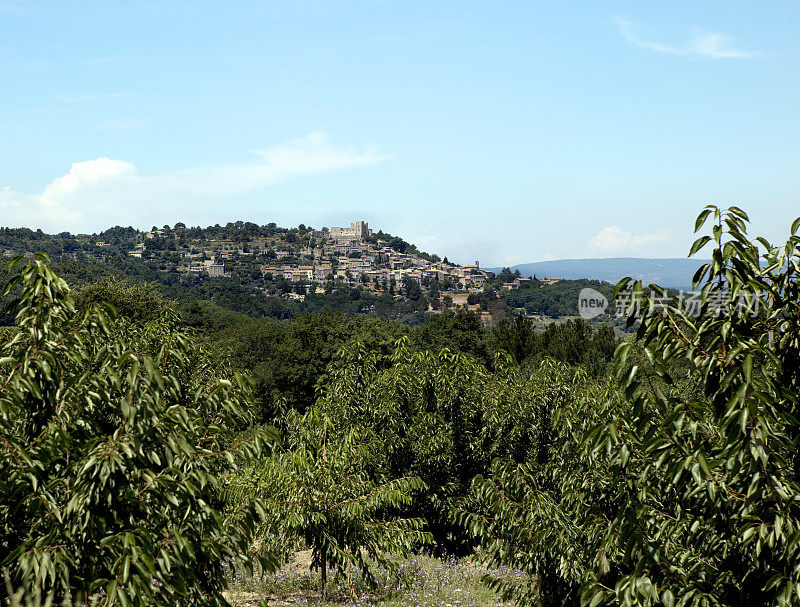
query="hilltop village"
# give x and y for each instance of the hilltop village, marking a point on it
(353, 254)
(268, 270)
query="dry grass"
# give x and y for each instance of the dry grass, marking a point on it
(419, 582)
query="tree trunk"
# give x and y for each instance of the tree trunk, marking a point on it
(537, 582)
(350, 583)
(324, 575)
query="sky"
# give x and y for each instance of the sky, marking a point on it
(500, 131)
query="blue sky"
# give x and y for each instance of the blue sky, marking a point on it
(501, 131)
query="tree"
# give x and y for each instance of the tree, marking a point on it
(711, 507)
(544, 511)
(568, 341)
(518, 338)
(138, 302)
(113, 437)
(439, 415)
(411, 288)
(327, 489)
(460, 332)
(676, 484)
(288, 360)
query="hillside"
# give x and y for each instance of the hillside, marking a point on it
(256, 270)
(269, 271)
(675, 273)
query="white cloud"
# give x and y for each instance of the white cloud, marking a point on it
(615, 240)
(61, 199)
(702, 45)
(9, 205)
(99, 193)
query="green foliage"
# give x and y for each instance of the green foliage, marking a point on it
(288, 360)
(8, 299)
(208, 316)
(327, 488)
(425, 411)
(572, 341)
(543, 511)
(460, 332)
(679, 485)
(710, 510)
(138, 302)
(113, 437)
(442, 416)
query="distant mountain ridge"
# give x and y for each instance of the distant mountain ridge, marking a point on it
(675, 273)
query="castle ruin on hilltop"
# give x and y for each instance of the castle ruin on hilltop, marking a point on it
(358, 230)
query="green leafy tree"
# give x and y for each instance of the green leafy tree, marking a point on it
(113, 437)
(287, 360)
(138, 302)
(545, 511)
(459, 332)
(678, 485)
(517, 337)
(711, 508)
(327, 489)
(411, 288)
(442, 416)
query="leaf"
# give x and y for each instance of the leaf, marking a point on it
(703, 464)
(621, 356)
(701, 219)
(126, 569)
(700, 274)
(739, 213)
(747, 367)
(698, 244)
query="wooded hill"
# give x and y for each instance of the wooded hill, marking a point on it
(257, 271)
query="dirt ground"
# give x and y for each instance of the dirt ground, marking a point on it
(301, 562)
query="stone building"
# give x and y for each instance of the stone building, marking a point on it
(358, 230)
